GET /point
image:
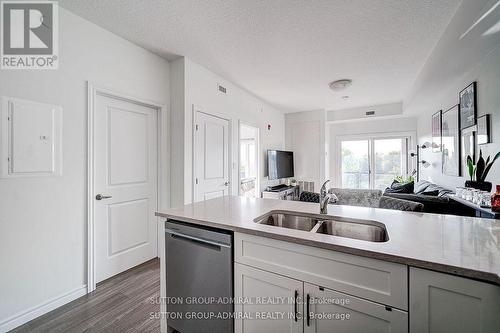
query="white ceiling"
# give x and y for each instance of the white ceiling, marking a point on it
(286, 51)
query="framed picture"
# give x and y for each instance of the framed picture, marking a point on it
(467, 148)
(483, 130)
(436, 131)
(468, 103)
(450, 128)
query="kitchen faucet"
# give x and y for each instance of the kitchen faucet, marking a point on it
(324, 199)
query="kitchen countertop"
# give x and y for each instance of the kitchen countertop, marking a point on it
(464, 246)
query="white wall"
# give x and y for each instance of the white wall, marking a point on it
(177, 119)
(353, 114)
(368, 127)
(314, 139)
(42, 220)
(200, 89)
(454, 63)
(306, 135)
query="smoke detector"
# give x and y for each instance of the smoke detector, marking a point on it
(340, 84)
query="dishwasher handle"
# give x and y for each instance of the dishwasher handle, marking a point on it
(197, 239)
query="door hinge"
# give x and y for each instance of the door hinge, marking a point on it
(196, 181)
(196, 126)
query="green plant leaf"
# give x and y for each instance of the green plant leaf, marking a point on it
(480, 165)
(470, 167)
(488, 167)
(403, 180)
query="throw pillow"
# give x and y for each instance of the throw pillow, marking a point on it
(432, 190)
(397, 187)
(421, 186)
(443, 192)
(433, 193)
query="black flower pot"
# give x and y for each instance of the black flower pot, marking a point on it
(483, 186)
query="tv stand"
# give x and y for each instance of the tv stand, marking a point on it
(277, 188)
(282, 192)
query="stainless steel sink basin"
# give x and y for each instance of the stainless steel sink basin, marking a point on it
(290, 221)
(356, 230)
(366, 230)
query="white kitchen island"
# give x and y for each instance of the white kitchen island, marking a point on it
(432, 273)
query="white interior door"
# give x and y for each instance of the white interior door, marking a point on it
(125, 184)
(211, 160)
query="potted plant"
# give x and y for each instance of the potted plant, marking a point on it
(480, 170)
(404, 180)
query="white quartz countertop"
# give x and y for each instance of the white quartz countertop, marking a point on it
(463, 246)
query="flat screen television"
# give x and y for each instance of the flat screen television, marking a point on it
(279, 164)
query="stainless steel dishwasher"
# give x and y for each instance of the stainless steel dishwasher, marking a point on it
(199, 277)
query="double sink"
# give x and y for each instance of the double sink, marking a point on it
(366, 230)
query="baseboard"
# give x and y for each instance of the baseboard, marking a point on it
(39, 310)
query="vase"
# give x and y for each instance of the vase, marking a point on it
(495, 200)
(483, 186)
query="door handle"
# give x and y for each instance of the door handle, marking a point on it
(308, 299)
(295, 306)
(226, 184)
(100, 196)
(196, 239)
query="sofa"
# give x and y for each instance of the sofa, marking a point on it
(434, 198)
(356, 197)
(365, 198)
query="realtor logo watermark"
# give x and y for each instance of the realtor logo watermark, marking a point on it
(30, 35)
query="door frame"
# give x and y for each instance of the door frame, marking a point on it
(163, 168)
(257, 152)
(196, 109)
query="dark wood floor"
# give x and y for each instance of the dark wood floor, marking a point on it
(128, 302)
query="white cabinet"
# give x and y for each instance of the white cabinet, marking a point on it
(327, 311)
(374, 294)
(267, 302)
(285, 193)
(445, 303)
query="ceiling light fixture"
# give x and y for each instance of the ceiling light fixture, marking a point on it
(340, 84)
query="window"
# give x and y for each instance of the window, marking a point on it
(372, 163)
(355, 164)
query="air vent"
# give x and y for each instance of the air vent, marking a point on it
(370, 113)
(222, 89)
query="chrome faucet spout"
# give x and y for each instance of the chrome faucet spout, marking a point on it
(324, 199)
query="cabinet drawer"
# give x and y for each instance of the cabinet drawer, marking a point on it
(371, 279)
(351, 314)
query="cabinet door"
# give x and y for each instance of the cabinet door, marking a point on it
(446, 303)
(266, 302)
(327, 311)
